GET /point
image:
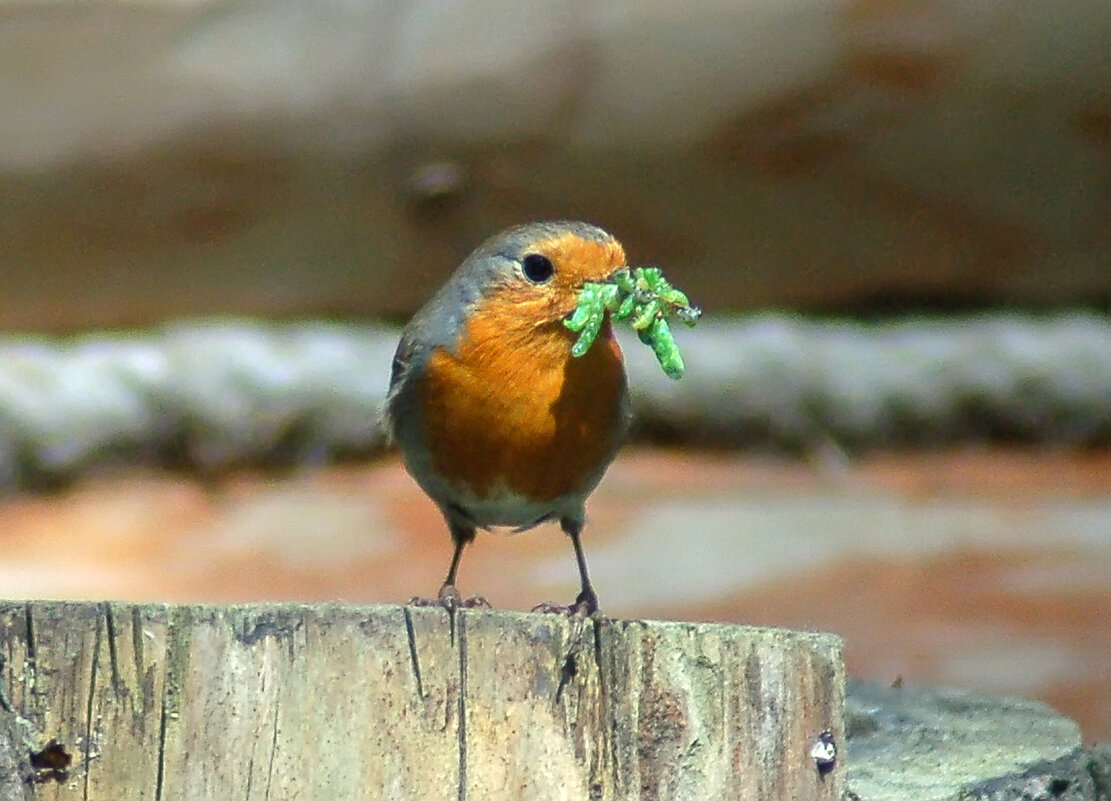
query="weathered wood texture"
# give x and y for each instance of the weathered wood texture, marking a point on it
(339, 702)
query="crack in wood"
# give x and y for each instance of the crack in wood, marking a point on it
(569, 665)
(263, 627)
(462, 709)
(250, 777)
(90, 707)
(163, 714)
(5, 702)
(30, 667)
(607, 735)
(160, 777)
(567, 672)
(113, 656)
(273, 749)
(413, 658)
(137, 653)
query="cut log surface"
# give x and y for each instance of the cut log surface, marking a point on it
(339, 702)
(934, 744)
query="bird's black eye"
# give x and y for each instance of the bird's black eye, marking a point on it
(537, 268)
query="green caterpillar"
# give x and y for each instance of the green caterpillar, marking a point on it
(644, 298)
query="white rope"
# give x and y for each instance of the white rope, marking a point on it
(788, 381)
(209, 395)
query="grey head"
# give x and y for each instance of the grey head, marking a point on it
(497, 261)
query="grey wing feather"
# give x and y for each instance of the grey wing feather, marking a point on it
(438, 323)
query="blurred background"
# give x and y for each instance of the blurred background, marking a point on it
(896, 213)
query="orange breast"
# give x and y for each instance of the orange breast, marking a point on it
(512, 408)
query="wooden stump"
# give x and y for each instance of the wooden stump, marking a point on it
(336, 702)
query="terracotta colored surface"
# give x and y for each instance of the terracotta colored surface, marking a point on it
(984, 569)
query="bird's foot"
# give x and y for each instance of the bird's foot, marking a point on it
(585, 605)
(475, 602)
(450, 600)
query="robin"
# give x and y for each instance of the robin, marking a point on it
(496, 421)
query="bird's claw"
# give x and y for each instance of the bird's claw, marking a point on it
(475, 602)
(450, 600)
(585, 605)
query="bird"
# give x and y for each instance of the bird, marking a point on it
(496, 420)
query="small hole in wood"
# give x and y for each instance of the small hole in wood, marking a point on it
(51, 762)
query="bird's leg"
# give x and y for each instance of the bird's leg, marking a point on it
(461, 535)
(586, 603)
(449, 596)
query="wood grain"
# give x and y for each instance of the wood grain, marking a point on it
(335, 702)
